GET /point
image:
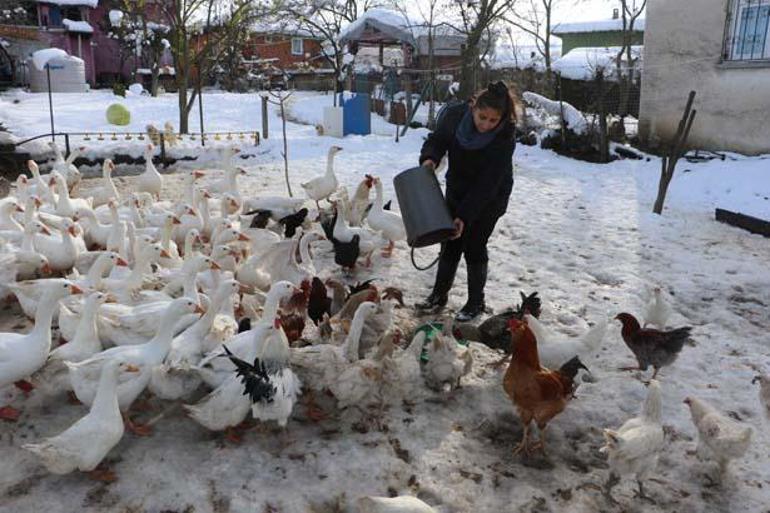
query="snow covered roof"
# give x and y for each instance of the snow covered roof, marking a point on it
(288, 28)
(596, 26)
(521, 56)
(582, 63)
(88, 3)
(396, 26)
(390, 22)
(78, 26)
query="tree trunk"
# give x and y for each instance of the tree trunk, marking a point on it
(285, 149)
(432, 78)
(604, 142)
(155, 77)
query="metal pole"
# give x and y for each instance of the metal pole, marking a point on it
(50, 99)
(200, 107)
(264, 117)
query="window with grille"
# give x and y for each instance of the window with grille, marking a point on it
(748, 23)
(296, 46)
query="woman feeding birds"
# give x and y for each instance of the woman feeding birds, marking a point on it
(478, 139)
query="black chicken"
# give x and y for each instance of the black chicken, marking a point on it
(319, 303)
(260, 219)
(495, 333)
(346, 253)
(359, 286)
(652, 347)
(255, 378)
(292, 222)
(244, 325)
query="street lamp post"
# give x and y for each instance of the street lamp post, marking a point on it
(50, 99)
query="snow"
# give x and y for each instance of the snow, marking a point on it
(583, 63)
(78, 26)
(581, 234)
(116, 16)
(596, 26)
(521, 56)
(88, 3)
(41, 57)
(574, 119)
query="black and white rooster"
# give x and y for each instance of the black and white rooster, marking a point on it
(269, 382)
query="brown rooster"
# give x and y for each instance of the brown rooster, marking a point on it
(294, 312)
(538, 393)
(650, 346)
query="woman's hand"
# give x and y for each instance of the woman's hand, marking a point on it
(458, 226)
(429, 164)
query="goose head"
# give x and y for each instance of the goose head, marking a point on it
(334, 150)
(96, 299)
(108, 259)
(32, 258)
(69, 226)
(281, 290)
(58, 288)
(183, 306)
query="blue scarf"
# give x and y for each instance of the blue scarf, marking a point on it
(471, 139)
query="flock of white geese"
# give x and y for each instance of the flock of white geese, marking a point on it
(147, 294)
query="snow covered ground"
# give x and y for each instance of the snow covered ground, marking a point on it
(580, 234)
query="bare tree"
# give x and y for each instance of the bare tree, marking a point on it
(324, 21)
(197, 27)
(476, 19)
(534, 17)
(279, 98)
(630, 12)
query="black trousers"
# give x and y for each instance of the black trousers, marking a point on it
(473, 242)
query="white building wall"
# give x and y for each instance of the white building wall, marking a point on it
(683, 46)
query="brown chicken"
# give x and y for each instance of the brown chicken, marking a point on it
(538, 393)
(652, 347)
(294, 312)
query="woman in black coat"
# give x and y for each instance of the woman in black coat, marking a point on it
(479, 139)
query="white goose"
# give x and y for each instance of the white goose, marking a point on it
(150, 181)
(86, 341)
(175, 378)
(8, 206)
(278, 206)
(39, 186)
(11, 263)
(65, 205)
(96, 234)
(66, 167)
(389, 223)
(84, 375)
(107, 192)
(320, 365)
(61, 252)
(23, 355)
(85, 444)
(28, 293)
(321, 187)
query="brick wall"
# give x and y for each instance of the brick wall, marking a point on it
(275, 46)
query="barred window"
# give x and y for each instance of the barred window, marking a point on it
(748, 22)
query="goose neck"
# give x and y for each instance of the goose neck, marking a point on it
(106, 400)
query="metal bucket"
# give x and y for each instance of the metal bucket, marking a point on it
(425, 213)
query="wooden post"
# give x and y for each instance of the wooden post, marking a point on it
(66, 145)
(264, 117)
(162, 149)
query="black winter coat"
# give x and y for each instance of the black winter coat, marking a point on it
(479, 182)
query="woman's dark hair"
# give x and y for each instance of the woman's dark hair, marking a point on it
(501, 98)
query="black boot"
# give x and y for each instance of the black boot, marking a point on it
(477, 279)
(445, 277)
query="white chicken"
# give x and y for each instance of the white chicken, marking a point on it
(719, 435)
(658, 310)
(447, 363)
(555, 351)
(635, 446)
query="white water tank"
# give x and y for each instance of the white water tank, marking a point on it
(68, 75)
